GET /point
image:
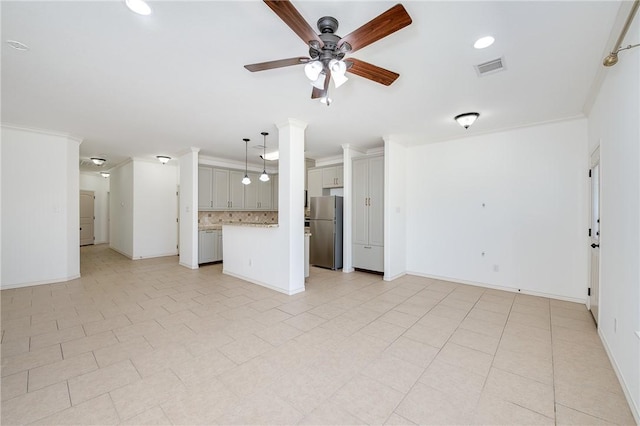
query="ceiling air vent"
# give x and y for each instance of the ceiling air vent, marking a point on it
(490, 67)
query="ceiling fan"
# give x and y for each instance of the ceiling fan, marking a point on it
(327, 50)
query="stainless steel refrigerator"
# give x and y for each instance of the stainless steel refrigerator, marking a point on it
(326, 232)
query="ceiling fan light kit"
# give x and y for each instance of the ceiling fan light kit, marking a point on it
(327, 50)
(466, 119)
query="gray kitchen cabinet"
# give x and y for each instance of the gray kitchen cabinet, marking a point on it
(207, 243)
(274, 192)
(314, 184)
(228, 190)
(209, 246)
(257, 195)
(205, 188)
(332, 177)
(218, 254)
(368, 211)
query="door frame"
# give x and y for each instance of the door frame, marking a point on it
(594, 226)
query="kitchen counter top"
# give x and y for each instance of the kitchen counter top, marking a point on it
(307, 231)
(253, 225)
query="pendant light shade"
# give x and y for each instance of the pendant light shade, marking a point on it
(264, 177)
(245, 179)
(466, 119)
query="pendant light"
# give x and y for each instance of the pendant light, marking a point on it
(245, 179)
(264, 177)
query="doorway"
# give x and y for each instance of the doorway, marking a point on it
(594, 234)
(87, 218)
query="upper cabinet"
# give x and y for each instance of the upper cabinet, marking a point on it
(205, 188)
(257, 195)
(332, 177)
(222, 189)
(314, 184)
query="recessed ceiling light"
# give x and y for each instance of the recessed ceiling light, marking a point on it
(483, 42)
(17, 45)
(138, 6)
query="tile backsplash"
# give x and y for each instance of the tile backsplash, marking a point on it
(216, 218)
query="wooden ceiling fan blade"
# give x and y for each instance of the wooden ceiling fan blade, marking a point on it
(317, 93)
(290, 15)
(262, 66)
(387, 23)
(371, 72)
(321, 93)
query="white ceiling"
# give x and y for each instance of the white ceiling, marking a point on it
(134, 86)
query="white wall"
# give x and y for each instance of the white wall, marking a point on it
(533, 225)
(395, 201)
(40, 215)
(121, 209)
(189, 209)
(614, 126)
(91, 181)
(155, 209)
(274, 257)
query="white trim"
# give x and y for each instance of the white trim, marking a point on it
(189, 266)
(635, 410)
(153, 256)
(53, 281)
(330, 161)
(347, 271)
(127, 255)
(580, 116)
(498, 287)
(42, 131)
(260, 283)
(395, 277)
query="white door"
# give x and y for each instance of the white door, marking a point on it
(594, 276)
(86, 217)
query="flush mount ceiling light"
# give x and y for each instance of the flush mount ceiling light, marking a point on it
(17, 45)
(483, 42)
(466, 119)
(138, 6)
(105, 174)
(245, 179)
(271, 156)
(163, 159)
(98, 161)
(264, 177)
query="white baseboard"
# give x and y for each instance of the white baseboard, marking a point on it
(395, 277)
(186, 265)
(43, 282)
(127, 255)
(498, 287)
(260, 283)
(635, 410)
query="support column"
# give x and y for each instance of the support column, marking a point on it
(291, 200)
(188, 216)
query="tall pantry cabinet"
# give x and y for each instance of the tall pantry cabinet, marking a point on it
(368, 210)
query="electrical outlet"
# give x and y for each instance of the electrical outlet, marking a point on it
(496, 268)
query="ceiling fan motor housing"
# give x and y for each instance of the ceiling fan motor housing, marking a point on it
(327, 25)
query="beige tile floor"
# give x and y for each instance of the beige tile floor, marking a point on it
(150, 342)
